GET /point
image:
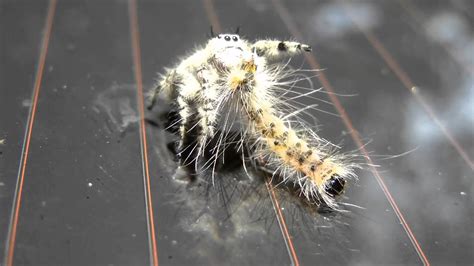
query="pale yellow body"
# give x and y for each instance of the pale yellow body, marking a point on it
(231, 72)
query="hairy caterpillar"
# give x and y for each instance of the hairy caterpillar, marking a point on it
(228, 91)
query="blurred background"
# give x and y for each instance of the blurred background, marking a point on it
(84, 180)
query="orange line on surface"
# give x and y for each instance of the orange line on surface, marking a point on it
(410, 86)
(281, 220)
(285, 16)
(37, 85)
(417, 17)
(214, 20)
(408, 83)
(143, 140)
(212, 15)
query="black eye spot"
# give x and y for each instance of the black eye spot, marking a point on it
(227, 38)
(219, 36)
(235, 38)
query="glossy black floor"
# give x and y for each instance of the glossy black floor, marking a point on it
(83, 200)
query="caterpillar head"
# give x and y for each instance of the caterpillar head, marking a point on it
(327, 181)
(228, 49)
(334, 186)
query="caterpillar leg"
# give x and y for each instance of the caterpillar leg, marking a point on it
(187, 149)
(274, 50)
(153, 96)
(207, 109)
(168, 84)
(197, 117)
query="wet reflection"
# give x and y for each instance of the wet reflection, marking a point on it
(330, 21)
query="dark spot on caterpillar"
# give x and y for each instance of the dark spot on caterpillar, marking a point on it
(309, 153)
(260, 52)
(252, 115)
(313, 168)
(289, 153)
(335, 185)
(188, 100)
(264, 131)
(298, 145)
(207, 101)
(272, 125)
(276, 143)
(282, 46)
(301, 159)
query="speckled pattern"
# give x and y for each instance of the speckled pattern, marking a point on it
(82, 195)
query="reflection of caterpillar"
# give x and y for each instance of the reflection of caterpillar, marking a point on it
(232, 82)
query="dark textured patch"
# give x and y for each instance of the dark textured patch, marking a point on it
(172, 121)
(301, 160)
(282, 46)
(335, 185)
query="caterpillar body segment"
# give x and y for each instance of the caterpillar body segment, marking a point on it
(307, 163)
(274, 50)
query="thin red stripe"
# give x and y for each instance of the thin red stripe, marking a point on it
(215, 22)
(37, 86)
(284, 14)
(281, 218)
(212, 15)
(138, 78)
(409, 7)
(408, 83)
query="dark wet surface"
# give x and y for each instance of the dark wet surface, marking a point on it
(83, 197)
